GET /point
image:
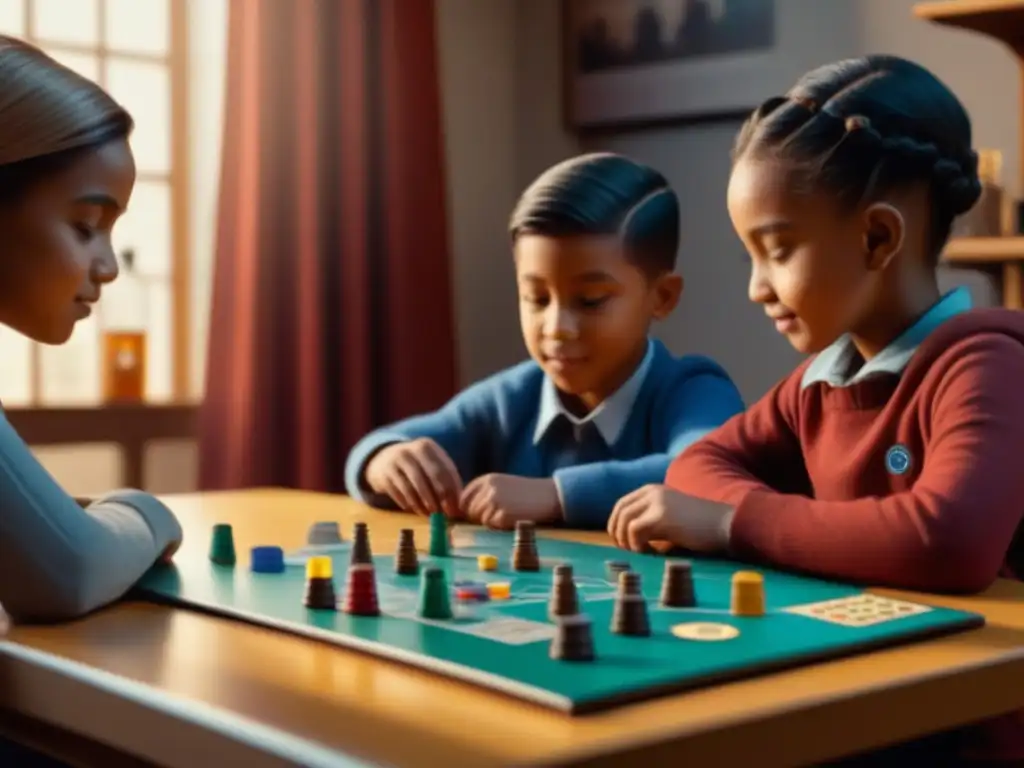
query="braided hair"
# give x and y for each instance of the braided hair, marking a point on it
(863, 127)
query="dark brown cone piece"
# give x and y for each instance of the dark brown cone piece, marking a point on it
(564, 599)
(320, 594)
(629, 617)
(524, 547)
(574, 639)
(407, 562)
(361, 553)
(677, 589)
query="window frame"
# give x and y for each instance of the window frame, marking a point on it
(177, 179)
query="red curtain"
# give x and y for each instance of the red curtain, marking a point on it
(332, 299)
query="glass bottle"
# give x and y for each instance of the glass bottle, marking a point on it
(125, 322)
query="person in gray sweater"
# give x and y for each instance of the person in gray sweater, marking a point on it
(66, 175)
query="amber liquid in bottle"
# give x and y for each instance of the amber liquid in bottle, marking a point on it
(124, 335)
(124, 364)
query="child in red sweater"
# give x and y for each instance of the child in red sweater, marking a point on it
(883, 458)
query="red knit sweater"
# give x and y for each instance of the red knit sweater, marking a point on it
(911, 481)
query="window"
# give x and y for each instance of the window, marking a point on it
(136, 49)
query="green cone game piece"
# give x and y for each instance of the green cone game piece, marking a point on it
(222, 545)
(439, 535)
(435, 603)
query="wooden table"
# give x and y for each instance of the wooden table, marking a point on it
(190, 688)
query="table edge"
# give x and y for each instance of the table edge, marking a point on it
(261, 741)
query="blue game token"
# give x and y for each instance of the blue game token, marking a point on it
(267, 560)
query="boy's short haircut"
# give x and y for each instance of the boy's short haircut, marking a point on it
(604, 194)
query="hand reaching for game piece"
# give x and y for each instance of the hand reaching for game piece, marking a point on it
(418, 475)
(499, 501)
(656, 513)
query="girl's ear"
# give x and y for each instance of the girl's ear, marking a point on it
(884, 232)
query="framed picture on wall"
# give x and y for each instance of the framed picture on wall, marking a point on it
(641, 62)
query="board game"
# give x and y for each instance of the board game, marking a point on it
(570, 626)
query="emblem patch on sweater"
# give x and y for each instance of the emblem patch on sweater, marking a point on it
(898, 460)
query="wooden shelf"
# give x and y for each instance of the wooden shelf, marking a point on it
(984, 250)
(1001, 19)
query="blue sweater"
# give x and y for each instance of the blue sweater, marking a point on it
(513, 423)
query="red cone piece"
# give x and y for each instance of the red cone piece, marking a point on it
(361, 591)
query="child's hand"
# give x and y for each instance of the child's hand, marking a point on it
(418, 475)
(656, 513)
(498, 501)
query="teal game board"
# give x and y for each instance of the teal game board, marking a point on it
(504, 644)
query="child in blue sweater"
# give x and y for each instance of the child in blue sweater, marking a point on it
(601, 409)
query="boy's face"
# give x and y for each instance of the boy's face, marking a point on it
(585, 310)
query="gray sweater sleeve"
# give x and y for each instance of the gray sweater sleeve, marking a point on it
(58, 561)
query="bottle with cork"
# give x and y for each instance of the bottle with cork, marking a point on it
(125, 323)
(988, 217)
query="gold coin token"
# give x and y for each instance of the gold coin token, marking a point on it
(705, 631)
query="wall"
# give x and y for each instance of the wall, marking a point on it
(501, 81)
(716, 316)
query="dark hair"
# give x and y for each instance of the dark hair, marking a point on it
(49, 116)
(604, 194)
(862, 127)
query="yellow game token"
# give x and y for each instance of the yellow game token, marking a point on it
(747, 594)
(319, 567)
(487, 563)
(705, 631)
(499, 590)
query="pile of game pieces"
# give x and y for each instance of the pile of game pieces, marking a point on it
(222, 545)
(406, 560)
(320, 584)
(361, 591)
(564, 598)
(629, 617)
(434, 602)
(677, 590)
(361, 553)
(524, 547)
(574, 640)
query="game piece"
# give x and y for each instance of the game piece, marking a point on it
(499, 590)
(407, 562)
(266, 560)
(434, 600)
(320, 584)
(524, 547)
(222, 545)
(747, 594)
(613, 568)
(574, 639)
(677, 585)
(629, 617)
(487, 563)
(323, 534)
(440, 538)
(361, 591)
(705, 631)
(564, 600)
(361, 552)
(472, 592)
